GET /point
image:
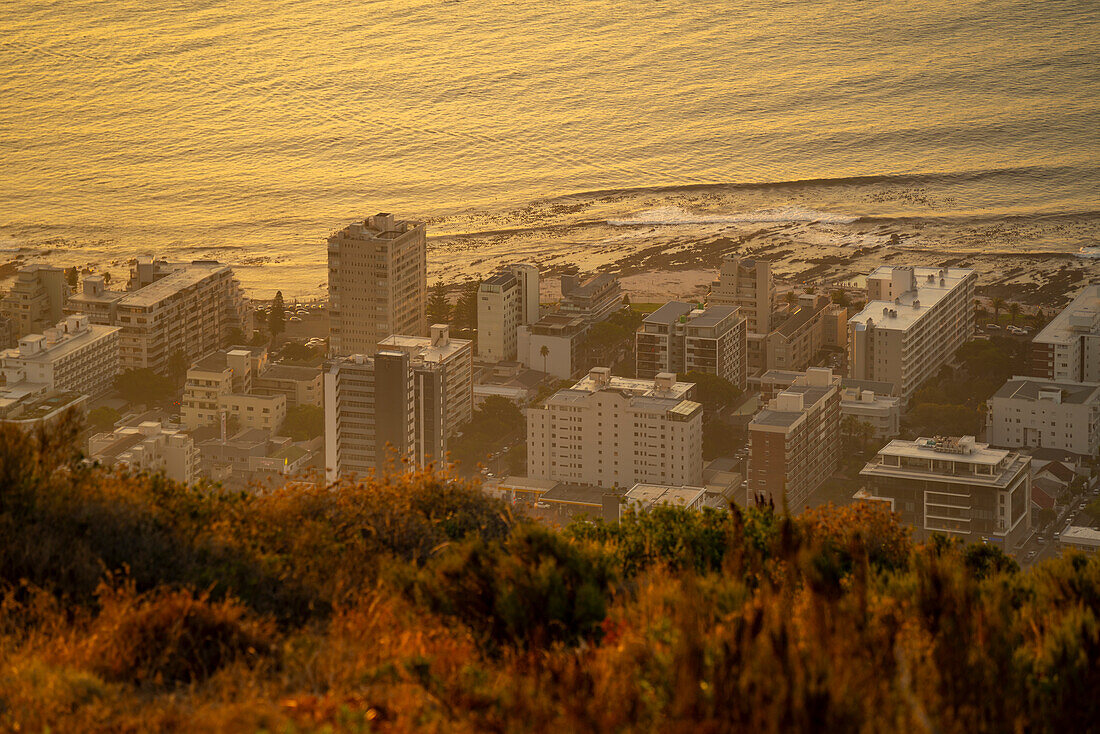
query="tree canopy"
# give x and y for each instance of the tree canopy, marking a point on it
(144, 386)
(304, 422)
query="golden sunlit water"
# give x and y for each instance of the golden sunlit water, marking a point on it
(249, 131)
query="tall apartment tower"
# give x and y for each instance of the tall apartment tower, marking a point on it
(369, 412)
(377, 283)
(36, 300)
(915, 320)
(1069, 347)
(505, 302)
(747, 284)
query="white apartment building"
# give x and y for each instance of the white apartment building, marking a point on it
(221, 385)
(168, 308)
(73, 356)
(36, 300)
(915, 320)
(746, 284)
(554, 345)
(593, 299)
(954, 486)
(370, 413)
(442, 387)
(1068, 348)
(1050, 414)
(147, 447)
(679, 337)
(610, 431)
(377, 283)
(505, 302)
(882, 412)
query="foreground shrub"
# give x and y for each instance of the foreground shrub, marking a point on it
(169, 637)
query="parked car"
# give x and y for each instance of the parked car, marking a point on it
(992, 327)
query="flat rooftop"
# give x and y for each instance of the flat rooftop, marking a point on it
(634, 386)
(1072, 393)
(914, 304)
(291, 372)
(645, 496)
(1081, 535)
(421, 346)
(68, 344)
(184, 277)
(1082, 315)
(941, 450)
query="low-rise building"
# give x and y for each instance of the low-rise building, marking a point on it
(881, 412)
(1068, 348)
(300, 385)
(36, 300)
(1080, 538)
(679, 337)
(31, 405)
(794, 442)
(644, 497)
(954, 486)
(610, 431)
(1040, 413)
(73, 356)
(593, 299)
(149, 446)
(554, 345)
(795, 340)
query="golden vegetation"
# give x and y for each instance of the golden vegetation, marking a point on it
(411, 602)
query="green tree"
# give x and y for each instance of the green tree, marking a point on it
(544, 352)
(495, 421)
(790, 297)
(103, 418)
(714, 392)
(304, 422)
(143, 386)
(465, 311)
(439, 310)
(72, 276)
(840, 298)
(177, 366)
(997, 303)
(276, 317)
(106, 278)
(236, 337)
(1092, 509)
(1013, 311)
(719, 439)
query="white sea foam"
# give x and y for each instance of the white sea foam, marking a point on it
(1090, 253)
(672, 216)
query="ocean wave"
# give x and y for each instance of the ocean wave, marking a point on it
(1089, 253)
(674, 216)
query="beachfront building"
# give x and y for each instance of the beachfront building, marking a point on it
(1051, 414)
(189, 309)
(554, 345)
(505, 302)
(29, 406)
(610, 431)
(593, 299)
(794, 441)
(370, 411)
(746, 284)
(147, 447)
(36, 300)
(678, 337)
(377, 283)
(915, 320)
(1068, 348)
(72, 356)
(442, 388)
(954, 486)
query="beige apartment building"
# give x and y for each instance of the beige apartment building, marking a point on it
(679, 337)
(593, 299)
(168, 308)
(746, 284)
(506, 302)
(915, 320)
(221, 384)
(73, 356)
(1051, 414)
(954, 486)
(300, 385)
(794, 442)
(1068, 348)
(377, 283)
(147, 447)
(36, 300)
(610, 431)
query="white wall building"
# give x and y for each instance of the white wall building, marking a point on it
(612, 431)
(915, 320)
(1052, 414)
(746, 284)
(147, 447)
(73, 356)
(505, 302)
(554, 345)
(883, 413)
(1068, 348)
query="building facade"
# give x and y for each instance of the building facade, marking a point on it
(915, 320)
(169, 309)
(794, 442)
(221, 385)
(679, 338)
(1068, 348)
(554, 345)
(593, 299)
(612, 431)
(746, 284)
(36, 300)
(505, 302)
(300, 385)
(73, 356)
(881, 412)
(377, 283)
(954, 486)
(1050, 414)
(147, 447)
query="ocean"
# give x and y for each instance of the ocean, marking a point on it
(570, 132)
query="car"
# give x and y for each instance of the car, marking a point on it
(1031, 554)
(1041, 540)
(295, 319)
(992, 327)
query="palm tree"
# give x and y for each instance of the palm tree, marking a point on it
(998, 303)
(1013, 311)
(791, 298)
(545, 352)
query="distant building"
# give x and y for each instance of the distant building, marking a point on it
(73, 356)
(554, 345)
(609, 431)
(221, 384)
(190, 309)
(881, 412)
(1041, 413)
(678, 338)
(796, 339)
(36, 300)
(915, 320)
(252, 455)
(593, 299)
(300, 385)
(1077, 537)
(746, 284)
(29, 406)
(505, 302)
(1068, 348)
(377, 283)
(147, 447)
(644, 497)
(794, 442)
(954, 486)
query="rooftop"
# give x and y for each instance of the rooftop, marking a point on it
(1082, 315)
(597, 380)
(290, 372)
(502, 278)
(1069, 393)
(422, 347)
(909, 307)
(63, 344)
(963, 448)
(1081, 535)
(644, 496)
(184, 277)
(576, 494)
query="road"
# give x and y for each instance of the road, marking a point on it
(1071, 515)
